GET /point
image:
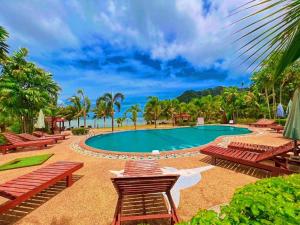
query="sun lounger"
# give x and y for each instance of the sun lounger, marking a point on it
(30, 137)
(263, 123)
(18, 142)
(24, 187)
(254, 147)
(144, 183)
(56, 136)
(253, 159)
(277, 128)
(6, 147)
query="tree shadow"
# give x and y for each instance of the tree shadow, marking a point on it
(251, 171)
(20, 211)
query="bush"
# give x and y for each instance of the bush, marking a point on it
(187, 123)
(79, 131)
(281, 121)
(246, 120)
(16, 127)
(2, 140)
(268, 201)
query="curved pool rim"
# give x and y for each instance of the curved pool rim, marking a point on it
(82, 144)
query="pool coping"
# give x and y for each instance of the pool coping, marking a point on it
(81, 147)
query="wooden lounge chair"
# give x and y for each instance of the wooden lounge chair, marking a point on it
(263, 123)
(253, 159)
(30, 137)
(278, 128)
(24, 187)
(18, 142)
(6, 147)
(251, 147)
(144, 191)
(56, 136)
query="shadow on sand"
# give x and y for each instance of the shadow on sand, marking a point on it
(14, 215)
(254, 172)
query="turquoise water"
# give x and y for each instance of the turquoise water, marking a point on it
(162, 139)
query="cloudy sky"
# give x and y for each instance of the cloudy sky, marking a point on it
(137, 47)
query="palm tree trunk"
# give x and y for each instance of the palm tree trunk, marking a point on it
(112, 122)
(69, 123)
(274, 101)
(104, 118)
(135, 125)
(78, 122)
(268, 104)
(84, 119)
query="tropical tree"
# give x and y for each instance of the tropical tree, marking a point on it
(153, 109)
(25, 89)
(120, 121)
(68, 113)
(101, 110)
(170, 109)
(113, 102)
(133, 111)
(81, 105)
(3, 45)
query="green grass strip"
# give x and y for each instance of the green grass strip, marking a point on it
(25, 162)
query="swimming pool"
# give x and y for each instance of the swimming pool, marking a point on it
(161, 139)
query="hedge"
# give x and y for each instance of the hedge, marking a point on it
(268, 201)
(80, 131)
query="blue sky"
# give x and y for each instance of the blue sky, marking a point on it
(137, 47)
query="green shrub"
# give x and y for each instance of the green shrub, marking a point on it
(281, 121)
(268, 201)
(187, 123)
(79, 131)
(246, 120)
(16, 127)
(2, 140)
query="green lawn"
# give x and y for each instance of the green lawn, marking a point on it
(26, 161)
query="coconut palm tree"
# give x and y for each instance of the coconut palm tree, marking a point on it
(134, 110)
(262, 40)
(3, 45)
(101, 110)
(171, 109)
(86, 105)
(120, 121)
(153, 109)
(76, 108)
(113, 101)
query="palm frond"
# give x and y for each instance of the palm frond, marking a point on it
(275, 27)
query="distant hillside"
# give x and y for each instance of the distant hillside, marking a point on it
(190, 94)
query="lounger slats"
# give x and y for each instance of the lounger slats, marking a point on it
(142, 187)
(24, 187)
(250, 158)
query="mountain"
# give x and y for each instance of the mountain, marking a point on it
(190, 94)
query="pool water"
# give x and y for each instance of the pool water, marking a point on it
(162, 139)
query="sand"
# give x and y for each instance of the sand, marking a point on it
(92, 198)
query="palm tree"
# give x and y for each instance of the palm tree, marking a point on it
(76, 108)
(134, 110)
(3, 45)
(153, 109)
(113, 101)
(171, 109)
(120, 121)
(101, 110)
(283, 34)
(86, 105)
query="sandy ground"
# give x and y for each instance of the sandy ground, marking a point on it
(92, 198)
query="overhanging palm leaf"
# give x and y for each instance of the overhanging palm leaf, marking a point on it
(3, 45)
(276, 29)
